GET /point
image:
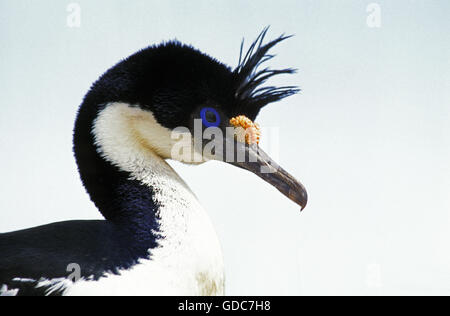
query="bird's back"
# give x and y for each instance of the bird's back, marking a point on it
(46, 260)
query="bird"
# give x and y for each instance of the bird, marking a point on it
(155, 238)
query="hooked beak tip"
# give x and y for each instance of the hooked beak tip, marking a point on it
(299, 196)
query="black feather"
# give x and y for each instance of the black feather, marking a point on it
(248, 78)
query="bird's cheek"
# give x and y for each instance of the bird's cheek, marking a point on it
(186, 148)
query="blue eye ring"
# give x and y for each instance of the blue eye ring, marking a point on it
(205, 121)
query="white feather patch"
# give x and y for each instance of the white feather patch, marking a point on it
(4, 291)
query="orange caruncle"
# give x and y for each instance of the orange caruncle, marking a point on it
(252, 130)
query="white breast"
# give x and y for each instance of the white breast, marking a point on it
(189, 258)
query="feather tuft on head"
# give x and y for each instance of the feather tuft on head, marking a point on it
(250, 94)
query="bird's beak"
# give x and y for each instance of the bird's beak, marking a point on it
(258, 162)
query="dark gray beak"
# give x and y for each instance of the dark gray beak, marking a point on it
(258, 162)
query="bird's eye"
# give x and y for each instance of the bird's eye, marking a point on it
(210, 117)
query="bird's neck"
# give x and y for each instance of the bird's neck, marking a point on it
(133, 186)
(124, 172)
(126, 178)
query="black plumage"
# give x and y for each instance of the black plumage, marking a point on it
(44, 253)
(249, 93)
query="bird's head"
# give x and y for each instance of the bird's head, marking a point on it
(187, 106)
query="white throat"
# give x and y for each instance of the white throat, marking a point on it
(189, 259)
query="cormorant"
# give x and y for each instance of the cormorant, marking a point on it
(156, 238)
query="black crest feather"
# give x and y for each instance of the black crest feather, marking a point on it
(250, 93)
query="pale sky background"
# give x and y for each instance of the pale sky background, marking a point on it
(369, 135)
